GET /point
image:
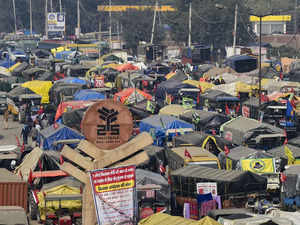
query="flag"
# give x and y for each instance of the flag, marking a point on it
(162, 169)
(20, 174)
(213, 131)
(289, 155)
(263, 165)
(40, 165)
(18, 141)
(30, 178)
(281, 76)
(187, 154)
(227, 110)
(237, 109)
(286, 139)
(289, 109)
(226, 150)
(23, 147)
(282, 177)
(61, 160)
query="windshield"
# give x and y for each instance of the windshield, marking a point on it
(211, 164)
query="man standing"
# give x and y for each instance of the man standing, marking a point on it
(25, 132)
(5, 119)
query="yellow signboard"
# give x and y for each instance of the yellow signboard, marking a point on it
(122, 8)
(277, 18)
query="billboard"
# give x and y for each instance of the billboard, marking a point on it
(114, 192)
(56, 22)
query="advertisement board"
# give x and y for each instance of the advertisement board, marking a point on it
(114, 192)
(56, 22)
(206, 188)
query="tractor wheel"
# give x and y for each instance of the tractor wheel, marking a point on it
(33, 208)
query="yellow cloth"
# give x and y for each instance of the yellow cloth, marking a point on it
(39, 87)
(289, 154)
(258, 165)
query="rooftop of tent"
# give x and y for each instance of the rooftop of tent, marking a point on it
(194, 152)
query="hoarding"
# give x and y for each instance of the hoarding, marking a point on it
(114, 192)
(56, 22)
(206, 188)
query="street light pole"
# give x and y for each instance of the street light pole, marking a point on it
(259, 72)
(15, 17)
(190, 24)
(235, 28)
(30, 11)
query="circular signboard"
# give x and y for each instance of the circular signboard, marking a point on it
(107, 124)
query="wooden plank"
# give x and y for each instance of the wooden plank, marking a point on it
(90, 149)
(77, 158)
(74, 171)
(88, 206)
(134, 160)
(125, 150)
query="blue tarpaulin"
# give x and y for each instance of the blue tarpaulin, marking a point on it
(164, 126)
(86, 94)
(73, 80)
(56, 132)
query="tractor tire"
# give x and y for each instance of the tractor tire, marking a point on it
(33, 208)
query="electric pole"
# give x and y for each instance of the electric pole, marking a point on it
(30, 11)
(110, 45)
(190, 24)
(15, 17)
(78, 18)
(51, 5)
(60, 6)
(235, 28)
(154, 19)
(46, 19)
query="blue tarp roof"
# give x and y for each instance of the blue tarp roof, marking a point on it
(62, 54)
(47, 136)
(73, 80)
(88, 95)
(158, 125)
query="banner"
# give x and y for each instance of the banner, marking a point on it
(56, 22)
(206, 188)
(258, 165)
(114, 192)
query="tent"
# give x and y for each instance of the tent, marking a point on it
(39, 87)
(206, 121)
(184, 180)
(125, 67)
(72, 80)
(143, 109)
(163, 127)
(246, 131)
(242, 63)
(71, 105)
(165, 219)
(131, 96)
(56, 132)
(202, 85)
(172, 110)
(280, 153)
(86, 94)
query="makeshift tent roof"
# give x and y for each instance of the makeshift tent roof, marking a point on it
(242, 63)
(165, 219)
(202, 85)
(217, 95)
(39, 87)
(207, 120)
(162, 126)
(72, 80)
(237, 181)
(56, 132)
(71, 105)
(131, 96)
(279, 152)
(241, 129)
(125, 67)
(86, 94)
(73, 118)
(172, 110)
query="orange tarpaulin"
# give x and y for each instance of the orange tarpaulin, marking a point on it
(125, 67)
(73, 105)
(129, 95)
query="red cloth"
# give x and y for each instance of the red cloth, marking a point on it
(207, 206)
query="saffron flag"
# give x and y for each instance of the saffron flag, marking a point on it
(187, 154)
(289, 155)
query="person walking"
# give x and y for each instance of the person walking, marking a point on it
(25, 132)
(5, 119)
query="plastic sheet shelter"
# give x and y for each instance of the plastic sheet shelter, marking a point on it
(71, 105)
(56, 132)
(72, 80)
(228, 181)
(86, 94)
(165, 219)
(163, 127)
(39, 87)
(131, 96)
(172, 110)
(242, 63)
(126, 67)
(198, 84)
(279, 153)
(246, 131)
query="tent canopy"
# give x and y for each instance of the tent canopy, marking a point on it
(86, 94)
(131, 96)
(49, 135)
(39, 87)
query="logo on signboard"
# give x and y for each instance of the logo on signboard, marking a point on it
(107, 124)
(109, 116)
(51, 16)
(257, 165)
